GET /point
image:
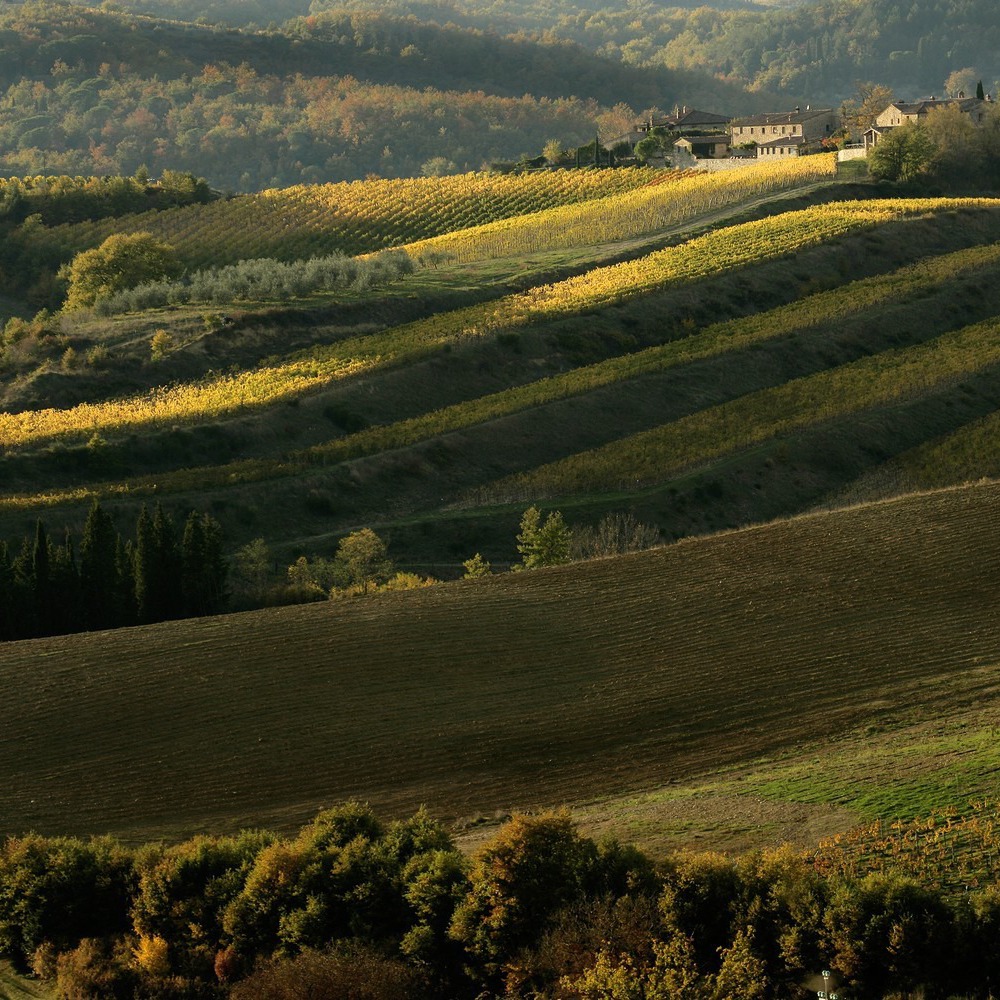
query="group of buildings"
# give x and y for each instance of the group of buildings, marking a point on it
(704, 136)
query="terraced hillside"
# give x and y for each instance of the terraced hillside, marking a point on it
(747, 352)
(717, 353)
(712, 670)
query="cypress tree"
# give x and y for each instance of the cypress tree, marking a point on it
(192, 565)
(143, 568)
(980, 93)
(168, 565)
(157, 567)
(64, 588)
(24, 590)
(8, 610)
(99, 569)
(125, 612)
(203, 568)
(41, 582)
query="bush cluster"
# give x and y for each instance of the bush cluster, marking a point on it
(355, 907)
(262, 280)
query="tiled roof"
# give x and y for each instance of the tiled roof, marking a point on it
(796, 117)
(928, 104)
(784, 140)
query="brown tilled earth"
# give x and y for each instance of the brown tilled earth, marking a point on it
(529, 690)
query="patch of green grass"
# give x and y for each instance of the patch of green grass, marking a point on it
(15, 987)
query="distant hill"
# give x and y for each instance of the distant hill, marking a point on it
(336, 96)
(812, 51)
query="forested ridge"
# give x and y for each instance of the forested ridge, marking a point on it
(330, 97)
(342, 91)
(812, 51)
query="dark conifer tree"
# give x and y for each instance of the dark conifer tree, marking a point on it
(125, 611)
(143, 568)
(157, 568)
(8, 609)
(41, 581)
(99, 570)
(64, 588)
(203, 568)
(170, 596)
(24, 590)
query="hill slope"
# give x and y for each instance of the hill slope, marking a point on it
(533, 689)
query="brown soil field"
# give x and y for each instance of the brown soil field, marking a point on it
(529, 690)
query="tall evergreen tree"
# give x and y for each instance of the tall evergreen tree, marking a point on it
(157, 567)
(64, 614)
(8, 608)
(143, 568)
(170, 595)
(203, 568)
(99, 570)
(24, 590)
(41, 582)
(125, 600)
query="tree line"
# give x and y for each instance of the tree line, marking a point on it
(56, 586)
(51, 586)
(356, 907)
(808, 51)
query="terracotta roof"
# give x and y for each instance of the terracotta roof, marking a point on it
(700, 140)
(689, 118)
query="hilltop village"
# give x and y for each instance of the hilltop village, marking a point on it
(689, 138)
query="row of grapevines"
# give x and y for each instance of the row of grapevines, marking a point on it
(713, 253)
(166, 405)
(838, 305)
(632, 214)
(351, 217)
(953, 848)
(971, 452)
(663, 452)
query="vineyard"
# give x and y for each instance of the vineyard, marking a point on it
(716, 252)
(702, 353)
(956, 849)
(664, 452)
(351, 217)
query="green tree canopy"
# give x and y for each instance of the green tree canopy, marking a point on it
(365, 557)
(902, 154)
(122, 261)
(543, 543)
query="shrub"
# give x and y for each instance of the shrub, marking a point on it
(160, 345)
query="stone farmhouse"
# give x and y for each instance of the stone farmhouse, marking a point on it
(687, 122)
(706, 136)
(902, 112)
(784, 133)
(707, 139)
